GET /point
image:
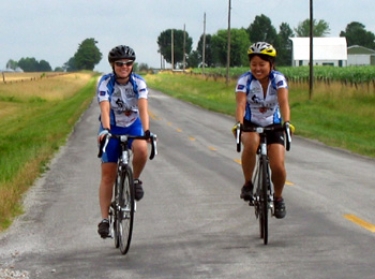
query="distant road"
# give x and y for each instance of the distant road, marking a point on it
(191, 222)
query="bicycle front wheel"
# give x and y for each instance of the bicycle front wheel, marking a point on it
(263, 199)
(114, 211)
(126, 209)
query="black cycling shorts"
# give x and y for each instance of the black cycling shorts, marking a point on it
(272, 136)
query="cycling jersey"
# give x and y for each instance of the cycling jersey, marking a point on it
(123, 98)
(262, 110)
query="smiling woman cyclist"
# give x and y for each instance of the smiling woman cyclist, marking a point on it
(122, 96)
(262, 100)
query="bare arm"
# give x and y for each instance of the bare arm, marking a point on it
(105, 111)
(284, 104)
(241, 106)
(143, 113)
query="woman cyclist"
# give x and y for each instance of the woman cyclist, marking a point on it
(262, 100)
(122, 97)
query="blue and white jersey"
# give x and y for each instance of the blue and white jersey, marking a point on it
(262, 109)
(123, 99)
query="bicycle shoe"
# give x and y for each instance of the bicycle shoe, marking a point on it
(247, 191)
(280, 211)
(103, 228)
(138, 189)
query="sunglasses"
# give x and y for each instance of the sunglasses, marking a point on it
(123, 63)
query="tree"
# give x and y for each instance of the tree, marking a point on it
(238, 47)
(59, 69)
(143, 67)
(320, 28)
(44, 66)
(28, 64)
(88, 55)
(284, 48)
(70, 66)
(165, 45)
(32, 65)
(194, 59)
(261, 30)
(356, 34)
(208, 54)
(11, 64)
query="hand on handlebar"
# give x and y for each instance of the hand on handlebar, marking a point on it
(236, 127)
(288, 125)
(102, 135)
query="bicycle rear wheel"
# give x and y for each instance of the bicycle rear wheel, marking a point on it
(263, 199)
(126, 209)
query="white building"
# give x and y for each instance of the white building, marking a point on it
(359, 56)
(326, 51)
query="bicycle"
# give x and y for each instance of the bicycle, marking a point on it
(123, 205)
(263, 195)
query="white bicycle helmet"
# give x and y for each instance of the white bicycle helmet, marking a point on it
(262, 48)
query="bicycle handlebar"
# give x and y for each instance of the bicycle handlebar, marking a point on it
(124, 138)
(262, 130)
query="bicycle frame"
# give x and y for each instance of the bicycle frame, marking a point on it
(262, 165)
(263, 196)
(123, 206)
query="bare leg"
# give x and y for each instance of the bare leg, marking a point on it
(109, 171)
(250, 143)
(140, 153)
(276, 154)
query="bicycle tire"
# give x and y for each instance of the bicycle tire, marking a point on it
(114, 206)
(264, 202)
(126, 209)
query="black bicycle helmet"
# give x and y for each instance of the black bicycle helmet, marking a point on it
(121, 52)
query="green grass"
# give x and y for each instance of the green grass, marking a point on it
(338, 116)
(29, 138)
(211, 95)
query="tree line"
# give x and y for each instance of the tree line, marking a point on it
(86, 57)
(261, 29)
(215, 46)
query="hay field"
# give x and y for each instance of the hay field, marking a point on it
(23, 87)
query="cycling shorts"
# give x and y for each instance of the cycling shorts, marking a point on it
(272, 136)
(113, 149)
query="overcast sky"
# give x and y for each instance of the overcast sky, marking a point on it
(52, 30)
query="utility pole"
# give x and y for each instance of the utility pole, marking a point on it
(183, 66)
(228, 50)
(172, 50)
(311, 81)
(204, 43)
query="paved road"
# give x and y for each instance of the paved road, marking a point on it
(191, 222)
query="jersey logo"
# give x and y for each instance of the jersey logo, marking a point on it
(120, 103)
(255, 99)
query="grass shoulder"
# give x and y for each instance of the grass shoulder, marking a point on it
(38, 117)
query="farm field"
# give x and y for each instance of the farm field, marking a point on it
(350, 74)
(36, 116)
(10, 77)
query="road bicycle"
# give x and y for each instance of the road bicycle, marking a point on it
(123, 205)
(263, 195)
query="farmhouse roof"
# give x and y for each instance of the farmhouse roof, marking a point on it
(324, 48)
(356, 49)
